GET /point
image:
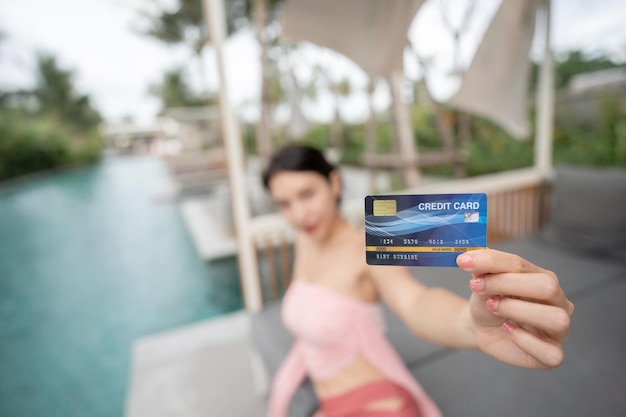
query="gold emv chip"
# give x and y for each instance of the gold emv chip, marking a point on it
(385, 208)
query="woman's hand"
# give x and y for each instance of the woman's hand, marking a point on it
(520, 313)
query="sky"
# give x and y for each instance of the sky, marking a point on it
(100, 41)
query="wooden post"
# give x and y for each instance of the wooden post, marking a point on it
(545, 103)
(371, 134)
(404, 133)
(263, 128)
(248, 271)
(444, 126)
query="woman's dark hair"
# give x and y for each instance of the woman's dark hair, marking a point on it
(297, 158)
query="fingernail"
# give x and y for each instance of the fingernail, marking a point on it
(508, 327)
(465, 260)
(477, 284)
(492, 303)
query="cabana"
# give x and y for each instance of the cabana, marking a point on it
(374, 35)
(571, 222)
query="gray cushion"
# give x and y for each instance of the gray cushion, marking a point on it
(273, 341)
(590, 382)
(588, 212)
(410, 348)
(270, 336)
(577, 273)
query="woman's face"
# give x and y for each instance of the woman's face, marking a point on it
(307, 200)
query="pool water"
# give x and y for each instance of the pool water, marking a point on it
(89, 261)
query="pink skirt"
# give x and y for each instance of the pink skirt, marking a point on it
(354, 402)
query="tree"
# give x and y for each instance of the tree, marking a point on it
(263, 13)
(577, 62)
(463, 119)
(574, 62)
(174, 91)
(186, 24)
(263, 132)
(47, 126)
(340, 90)
(55, 95)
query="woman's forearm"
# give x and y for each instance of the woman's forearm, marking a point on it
(441, 317)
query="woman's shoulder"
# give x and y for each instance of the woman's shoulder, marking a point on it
(357, 234)
(355, 239)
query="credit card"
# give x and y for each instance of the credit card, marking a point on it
(423, 229)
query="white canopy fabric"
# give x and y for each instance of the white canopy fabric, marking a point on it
(496, 84)
(372, 33)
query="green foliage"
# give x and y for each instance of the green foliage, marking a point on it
(248, 137)
(574, 62)
(600, 144)
(620, 143)
(354, 145)
(341, 88)
(49, 126)
(603, 144)
(27, 148)
(385, 137)
(29, 145)
(492, 150)
(186, 23)
(175, 91)
(318, 136)
(577, 62)
(56, 96)
(425, 128)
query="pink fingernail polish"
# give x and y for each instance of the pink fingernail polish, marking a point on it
(477, 284)
(508, 327)
(492, 303)
(465, 260)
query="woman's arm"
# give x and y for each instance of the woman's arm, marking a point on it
(518, 312)
(434, 314)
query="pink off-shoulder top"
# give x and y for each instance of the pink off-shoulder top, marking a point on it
(331, 329)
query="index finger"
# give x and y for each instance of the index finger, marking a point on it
(490, 261)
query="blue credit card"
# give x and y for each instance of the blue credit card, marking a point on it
(424, 229)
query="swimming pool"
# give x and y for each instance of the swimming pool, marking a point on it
(89, 261)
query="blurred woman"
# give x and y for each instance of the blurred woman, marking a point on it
(517, 312)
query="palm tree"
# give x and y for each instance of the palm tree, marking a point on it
(55, 95)
(174, 91)
(340, 90)
(298, 124)
(263, 13)
(187, 25)
(263, 133)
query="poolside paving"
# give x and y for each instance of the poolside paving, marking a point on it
(202, 370)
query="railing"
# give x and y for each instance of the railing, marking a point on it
(519, 203)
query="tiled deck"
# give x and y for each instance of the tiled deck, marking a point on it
(203, 370)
